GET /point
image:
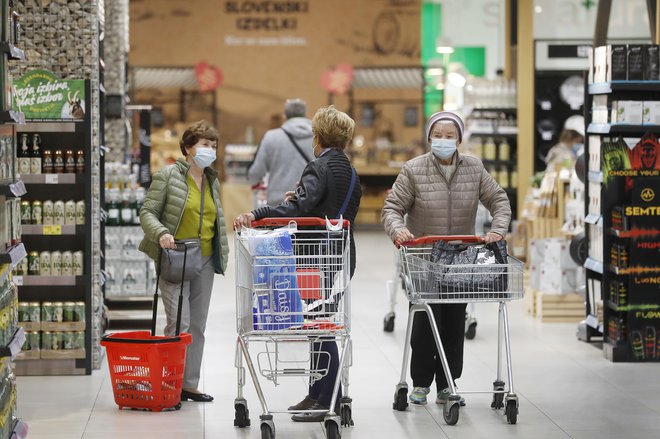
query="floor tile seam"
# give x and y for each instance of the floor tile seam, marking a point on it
(91, 412)
(552, 421)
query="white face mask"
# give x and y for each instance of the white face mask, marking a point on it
(443, 148)
(204, 157)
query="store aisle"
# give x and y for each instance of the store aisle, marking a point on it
(566, 388)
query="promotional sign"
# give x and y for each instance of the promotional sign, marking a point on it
(208, 77)
(338, 80)
(40, 94)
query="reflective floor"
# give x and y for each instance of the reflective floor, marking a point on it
(566, 388)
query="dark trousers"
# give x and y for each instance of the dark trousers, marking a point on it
(322, 389)
(425, 361)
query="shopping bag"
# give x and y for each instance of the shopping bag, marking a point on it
(454, 267)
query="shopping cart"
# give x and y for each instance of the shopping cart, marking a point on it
(146, 370)
(431, 283)
(298, 297)
(392, 288)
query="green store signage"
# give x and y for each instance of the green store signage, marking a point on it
(40, 94)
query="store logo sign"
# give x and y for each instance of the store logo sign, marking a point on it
(648, 194)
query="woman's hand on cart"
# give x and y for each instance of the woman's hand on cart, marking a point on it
(402, 236)
(492, 237)
(244, 220)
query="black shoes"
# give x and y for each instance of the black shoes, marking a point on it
(197, 397)
(313, 417)
(305, 404)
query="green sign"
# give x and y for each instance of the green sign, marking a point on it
(40, 94)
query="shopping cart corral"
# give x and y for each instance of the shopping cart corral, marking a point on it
(429, 283)
(292, 293)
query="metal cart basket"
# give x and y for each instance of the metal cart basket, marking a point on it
(432, 283)
(296, 292)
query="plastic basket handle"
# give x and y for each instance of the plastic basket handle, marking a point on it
(304, 221)
(453, 239)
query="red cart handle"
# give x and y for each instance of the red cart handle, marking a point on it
(259, 187)
(304, 221)
(457, 239)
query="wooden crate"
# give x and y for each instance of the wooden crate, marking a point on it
(566, 308)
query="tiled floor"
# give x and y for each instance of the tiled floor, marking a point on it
(566, 388)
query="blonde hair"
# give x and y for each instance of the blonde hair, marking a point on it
(333, 128)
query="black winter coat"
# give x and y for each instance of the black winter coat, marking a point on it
(321, 192)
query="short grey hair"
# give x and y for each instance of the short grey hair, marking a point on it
(295, 108)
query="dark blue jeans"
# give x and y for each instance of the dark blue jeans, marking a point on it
(322, 389)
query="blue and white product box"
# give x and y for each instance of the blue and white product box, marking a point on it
(277, 300)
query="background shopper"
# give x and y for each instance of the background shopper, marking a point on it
(571, 144)
(171, 212)
(438, 194)
(323, 187)
(284, 152)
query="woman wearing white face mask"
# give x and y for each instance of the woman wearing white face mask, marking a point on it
(172, 212)
(438, 194)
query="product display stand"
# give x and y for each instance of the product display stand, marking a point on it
(622, 219)
(76, 135)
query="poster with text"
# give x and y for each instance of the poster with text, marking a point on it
(40, 94)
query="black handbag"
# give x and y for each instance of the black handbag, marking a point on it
(188, 254)
(454, 268)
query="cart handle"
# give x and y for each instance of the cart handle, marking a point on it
(259, 187)
(452, 239)
(303, 221)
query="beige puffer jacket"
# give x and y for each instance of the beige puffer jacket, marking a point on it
(437, 207)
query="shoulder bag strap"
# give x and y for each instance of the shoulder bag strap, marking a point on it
(349, 194)
(295, 144)
(201, 210)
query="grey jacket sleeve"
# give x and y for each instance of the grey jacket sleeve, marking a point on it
(259, 167)
(494, 198)
(398, 202)
(153, 206)
(309, 193)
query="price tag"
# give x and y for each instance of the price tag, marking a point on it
(53, 230)
(52, 179)
(18, 280)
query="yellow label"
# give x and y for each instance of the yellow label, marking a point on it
(53, 230)
(648, 194)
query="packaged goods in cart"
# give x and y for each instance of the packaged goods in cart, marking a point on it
(277, 303)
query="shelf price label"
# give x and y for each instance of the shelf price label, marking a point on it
(18, 280)
(52, 179)
(53, 230)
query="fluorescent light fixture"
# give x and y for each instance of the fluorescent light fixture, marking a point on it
(435, 71)
(443, 45)
(538, 9)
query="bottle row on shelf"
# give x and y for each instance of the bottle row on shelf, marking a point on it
(490, 149)
(54, 340)
(7, 158)
(480, 92)
(33, 158)
(53, 263)
(8, 312)
(55, 312)
(123, 206)
(53, 213)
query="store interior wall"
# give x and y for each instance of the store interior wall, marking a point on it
(262, 68)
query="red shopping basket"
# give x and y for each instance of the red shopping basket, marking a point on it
(146, 371)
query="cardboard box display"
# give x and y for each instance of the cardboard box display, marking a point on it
(536, 247)
(627, 112)
(557, 253)
(554, 280)
(651, 113)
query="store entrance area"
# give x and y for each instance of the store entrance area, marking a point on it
(565, 387)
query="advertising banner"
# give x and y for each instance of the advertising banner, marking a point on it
(40, 94)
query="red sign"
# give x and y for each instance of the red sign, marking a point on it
(338, 80)
(208, 77)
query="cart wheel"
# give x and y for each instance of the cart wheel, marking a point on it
(401, 399)
(242, 416)
(511, 412)
(332, 430)
(267, 432)
(388, 323)
(471, 331)
(450, 413)
(177, 407)
(346, 416)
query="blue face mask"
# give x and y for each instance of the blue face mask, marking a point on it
(204, 157)
(577, 147)
(443, 148)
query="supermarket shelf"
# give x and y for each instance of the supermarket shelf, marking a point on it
(13, 348)
(12, 116)
(14, 52)
(14, 255)
(595, 176)
(51, 178)
(594, 265)
(63, 354)
(364, 171)
(16, 189)
(41, 230)
(500, 109)
(499, 162)
(606, 128)
(495, 133)
(68, 126)
(47, 281)
(609, 87)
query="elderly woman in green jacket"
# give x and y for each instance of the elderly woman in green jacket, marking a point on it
(171, 212)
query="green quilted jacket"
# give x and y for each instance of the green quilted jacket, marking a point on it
(163, 208)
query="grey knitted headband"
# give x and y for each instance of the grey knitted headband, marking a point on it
(445, 115)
